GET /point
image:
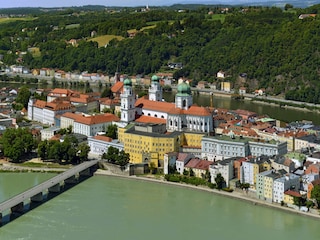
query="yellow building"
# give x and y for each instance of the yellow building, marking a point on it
(289, 197)
(148, 142)
(190, 139)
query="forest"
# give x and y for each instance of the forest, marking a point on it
(276, 49)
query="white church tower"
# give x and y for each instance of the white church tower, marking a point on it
(155, 90)
(184, 96)
(128, 101)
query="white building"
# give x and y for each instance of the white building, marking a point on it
(48, 133)
(100, 144)
(225, 168)
(280, 185)
(91, 125)
(45, 112)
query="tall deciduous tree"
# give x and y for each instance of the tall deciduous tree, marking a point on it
(17, 143)
(23, 96)
(315, 194)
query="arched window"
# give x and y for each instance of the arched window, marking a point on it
(184, 103)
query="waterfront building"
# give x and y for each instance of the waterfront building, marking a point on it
(265, 184)
(287, 182)
(176, 160)
(225, 168)
(216, 148)
(199, 167)
(289, 196)
(100, 144)
(221, 147)
(148, 143)
(250, 169)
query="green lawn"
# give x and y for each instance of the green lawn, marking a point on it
(105, 39)
(6, 20)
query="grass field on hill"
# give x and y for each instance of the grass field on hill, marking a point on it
(105, 39)
(6, 20)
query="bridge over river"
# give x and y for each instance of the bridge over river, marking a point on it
(53, 185)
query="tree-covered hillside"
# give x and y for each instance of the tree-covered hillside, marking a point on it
(277, 50)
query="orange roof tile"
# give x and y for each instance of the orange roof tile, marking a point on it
(147, 119)
(117, 87)
(103, 138)
(154, 105)
(96, 119)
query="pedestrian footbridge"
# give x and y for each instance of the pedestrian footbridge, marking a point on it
(16, 204)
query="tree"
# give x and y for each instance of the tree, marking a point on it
(23, 96)
(112, 131)
(219, 181)
(17, 143)
(315, 194)
(83, 151)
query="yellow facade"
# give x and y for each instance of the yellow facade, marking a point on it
(288, 199)
(148, 148)
(192, 139)
(255, 173)
(199, 173)
(268, 187)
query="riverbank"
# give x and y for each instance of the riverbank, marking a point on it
(242, 196)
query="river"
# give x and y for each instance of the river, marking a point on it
(106, 207)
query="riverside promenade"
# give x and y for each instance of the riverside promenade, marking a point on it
(237, 195)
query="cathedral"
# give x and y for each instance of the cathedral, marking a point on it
(182, 115)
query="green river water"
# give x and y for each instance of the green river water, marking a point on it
(105, 207)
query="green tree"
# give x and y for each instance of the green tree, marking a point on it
(17, 143)
(112, 131)
(219, 181)
(83, 151)
(23, 96)
(315, 194)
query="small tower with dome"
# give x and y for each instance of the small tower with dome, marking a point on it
(155, 90)
(128, 101)
(184, 96)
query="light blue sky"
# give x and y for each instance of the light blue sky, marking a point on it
(68, 3)
(122, 3)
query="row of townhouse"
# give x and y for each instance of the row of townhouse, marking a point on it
(270, 184)
(221, 147)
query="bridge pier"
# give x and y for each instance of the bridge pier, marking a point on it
(85, 172)
(71, 180)
(54, 189)
(37, 198)
(18, 208)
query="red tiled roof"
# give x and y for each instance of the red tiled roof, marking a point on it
(292, 193)
(198, 111)
(147, 119)
(103, 138)
(182, 156)
(96, 119)
(117, 87)
(198, 164)
(143, 102)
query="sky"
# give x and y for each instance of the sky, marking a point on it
(68, 3)
(120, 3)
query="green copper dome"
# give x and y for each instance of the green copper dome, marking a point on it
(155, 78)
(184, 88)
(127, 82)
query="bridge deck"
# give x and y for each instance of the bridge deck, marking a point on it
(8, 204)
